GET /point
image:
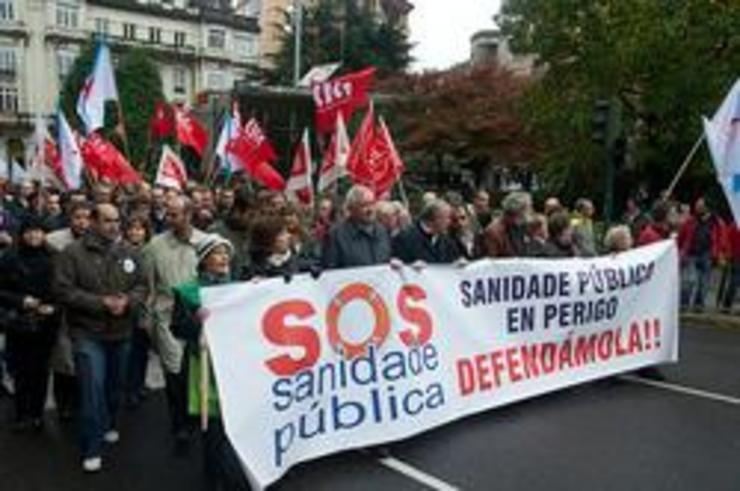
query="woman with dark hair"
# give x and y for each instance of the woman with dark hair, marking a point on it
(25, 291)
(272, 250)
(137, 230)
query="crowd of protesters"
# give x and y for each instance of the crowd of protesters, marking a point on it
(92, 282)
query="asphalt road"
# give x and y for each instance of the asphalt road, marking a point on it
(614, 434)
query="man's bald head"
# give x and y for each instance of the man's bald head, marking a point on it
(106, 221)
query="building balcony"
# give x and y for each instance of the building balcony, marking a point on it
(16, 122)
(14, 29)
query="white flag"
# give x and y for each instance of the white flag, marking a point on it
(13, 172)
(723, 138)
(100, 86)
(334, 165)
(69, 154)
(229, 130)
(299, 187)
(171, 172)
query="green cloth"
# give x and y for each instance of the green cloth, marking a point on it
(194, 398)
(189, 292)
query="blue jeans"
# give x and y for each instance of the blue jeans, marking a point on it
(101, 372)
(696, 273)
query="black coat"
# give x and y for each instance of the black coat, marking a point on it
(27, 272)
(414, 244)
(349, 246)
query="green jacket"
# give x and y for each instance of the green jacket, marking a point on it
(186, 325)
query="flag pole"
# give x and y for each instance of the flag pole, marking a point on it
(205, 383)
(685, 164)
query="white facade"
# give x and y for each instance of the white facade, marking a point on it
(200, 45)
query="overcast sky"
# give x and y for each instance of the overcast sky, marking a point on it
(442, 29)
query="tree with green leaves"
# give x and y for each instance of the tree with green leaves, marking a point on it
(665, 62)
(342, 31)
(139, 88)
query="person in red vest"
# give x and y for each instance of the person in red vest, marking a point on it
(659, 227)
(733, 250)
(701, 243)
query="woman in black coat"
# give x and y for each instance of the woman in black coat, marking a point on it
(273, 253)
(25, 294)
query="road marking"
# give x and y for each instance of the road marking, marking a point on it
(683, 390)
(416, 474)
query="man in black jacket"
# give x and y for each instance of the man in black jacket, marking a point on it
(427, 240)
(359, 240)
(101, 283)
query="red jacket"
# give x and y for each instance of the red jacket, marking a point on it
(719, 248)
(651, 233)
(733, 235)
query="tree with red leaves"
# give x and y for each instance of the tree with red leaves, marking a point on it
(466, 117)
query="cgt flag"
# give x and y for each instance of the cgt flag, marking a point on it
(99, 87)
(341, 95)
(171, 172)
(723, 137)
(106, 162)
(300, 183)
(254, 152)
(189, 131)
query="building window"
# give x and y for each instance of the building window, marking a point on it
(179, 39)
(7, 61)
(8, 99)
(155, 35)
(178, 82)
(6, 10)
(65, 62)
(102, 26)
(129, 31)
(245, 46)
(216, 38)
(216, 81)
(68, 14)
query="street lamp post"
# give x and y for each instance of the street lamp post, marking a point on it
(297, 32)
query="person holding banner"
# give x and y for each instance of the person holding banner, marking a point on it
(427, 239)
(358, 240)
(507, 235)
(221, 463)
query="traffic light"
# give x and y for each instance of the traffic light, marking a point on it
(600, 122)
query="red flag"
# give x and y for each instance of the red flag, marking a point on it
(250, 146)
(171, 172)
(161, 124)
(52, 159)
(300, 186)
(384, 161)
(359, 149)
(190, 132)
(106, 162)
(374, 161)
(341, 95)
(266, 174)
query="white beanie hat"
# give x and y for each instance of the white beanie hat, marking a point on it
(209, 243)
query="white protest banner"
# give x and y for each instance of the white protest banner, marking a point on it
(365, 356)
